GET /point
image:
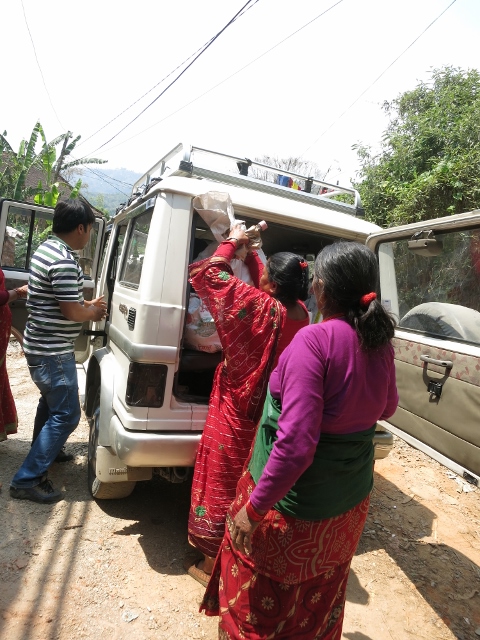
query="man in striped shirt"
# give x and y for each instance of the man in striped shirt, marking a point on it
(56, 311)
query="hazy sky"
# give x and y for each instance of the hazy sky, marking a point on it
(97, 58)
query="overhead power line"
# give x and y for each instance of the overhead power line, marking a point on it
(242, 12)
(228, 77)
(210, 42)
(107, 179)
(39, 67)
(376, 79)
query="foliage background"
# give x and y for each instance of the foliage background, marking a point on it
(429, 163)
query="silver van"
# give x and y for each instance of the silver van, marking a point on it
(146, 393)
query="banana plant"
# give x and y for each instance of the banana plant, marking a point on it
(53, 168)
(14, 168)
(17, 165)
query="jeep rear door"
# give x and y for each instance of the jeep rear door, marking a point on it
(430, 279)
(23, 227)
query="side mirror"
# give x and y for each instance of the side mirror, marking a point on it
(424, 243)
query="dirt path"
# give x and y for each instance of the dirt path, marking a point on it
(81, 569)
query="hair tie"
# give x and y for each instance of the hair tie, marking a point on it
(367, 298)
(303, 264)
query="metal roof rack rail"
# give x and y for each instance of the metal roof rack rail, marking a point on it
(196, 162)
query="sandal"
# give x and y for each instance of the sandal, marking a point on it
(197, 574)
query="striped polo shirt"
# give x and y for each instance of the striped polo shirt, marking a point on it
(55, 276)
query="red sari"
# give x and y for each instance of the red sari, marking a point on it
(249, 323)
(293, 585)
(8, 412)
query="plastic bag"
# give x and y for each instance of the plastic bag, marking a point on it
(215, 207)
(200, 331)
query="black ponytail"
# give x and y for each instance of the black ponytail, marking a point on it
(350, 277)
(290, 273)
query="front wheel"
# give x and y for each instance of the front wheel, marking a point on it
(102, 490)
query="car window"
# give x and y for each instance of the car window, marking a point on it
(25, 231)
(437, 283)
(86, 255)
(132, 266)
(19, 244)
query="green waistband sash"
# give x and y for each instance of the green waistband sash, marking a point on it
(340, 476)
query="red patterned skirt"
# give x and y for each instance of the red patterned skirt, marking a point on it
(293, 584)
(226, 441)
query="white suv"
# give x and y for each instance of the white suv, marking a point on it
(146, 394)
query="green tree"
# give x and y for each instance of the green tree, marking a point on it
(429, 161)
(54, 163)
(98, 202)
(15, 166)
(54, 167)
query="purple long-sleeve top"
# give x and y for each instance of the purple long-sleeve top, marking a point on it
(326, 384)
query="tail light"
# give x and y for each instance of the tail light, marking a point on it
(146, 385)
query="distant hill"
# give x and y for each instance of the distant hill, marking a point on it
(106, 189)
(98, 180)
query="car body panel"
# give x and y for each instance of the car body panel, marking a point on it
(437, 342)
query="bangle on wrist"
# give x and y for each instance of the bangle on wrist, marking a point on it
(235, 239)
(252, 514)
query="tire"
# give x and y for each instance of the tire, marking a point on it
(102, 490)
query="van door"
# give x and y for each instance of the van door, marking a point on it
(430, 280)
(23, 227)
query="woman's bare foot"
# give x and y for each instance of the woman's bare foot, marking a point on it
(206, 565)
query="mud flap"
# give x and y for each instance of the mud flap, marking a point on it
(110, 468)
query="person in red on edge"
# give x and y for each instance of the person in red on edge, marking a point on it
(8, 412)
(253, 325)
(302, 501)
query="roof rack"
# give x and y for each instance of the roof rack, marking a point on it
(196, 162)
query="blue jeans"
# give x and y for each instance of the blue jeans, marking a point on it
(56, 379)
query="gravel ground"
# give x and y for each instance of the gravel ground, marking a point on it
(80, 568)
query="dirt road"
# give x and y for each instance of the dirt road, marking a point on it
(82, 569)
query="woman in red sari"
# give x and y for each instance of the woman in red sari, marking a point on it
(250, 323)
(302, 500)
(8, 413)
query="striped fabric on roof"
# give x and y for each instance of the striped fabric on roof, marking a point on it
(55, 276)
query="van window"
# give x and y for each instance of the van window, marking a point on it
(438, 287)
(86, 255)
(135, 250)
(25, 231)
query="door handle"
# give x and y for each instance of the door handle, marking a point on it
(448, 364)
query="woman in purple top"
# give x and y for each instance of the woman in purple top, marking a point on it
(302, 503)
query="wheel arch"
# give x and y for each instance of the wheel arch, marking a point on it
(101, 376)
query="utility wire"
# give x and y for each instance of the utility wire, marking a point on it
(102, 177)
(231, 21)
(228, 77)
(162, 80)
(39, 67)
(376, 79)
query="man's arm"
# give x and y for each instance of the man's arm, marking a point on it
(77, 312)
